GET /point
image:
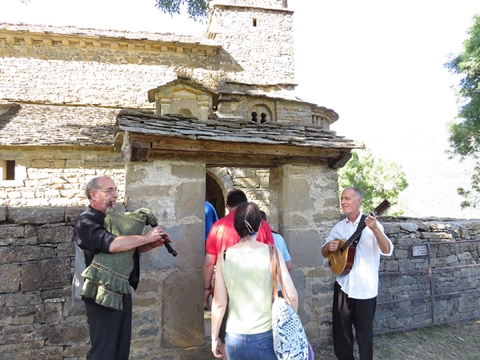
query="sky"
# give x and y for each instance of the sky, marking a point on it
(379, 64)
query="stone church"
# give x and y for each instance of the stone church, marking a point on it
(172, 118)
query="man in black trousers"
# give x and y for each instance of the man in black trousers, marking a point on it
(355, 294)
(110, 329)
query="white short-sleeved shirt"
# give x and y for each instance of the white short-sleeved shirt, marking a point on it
(362, 280)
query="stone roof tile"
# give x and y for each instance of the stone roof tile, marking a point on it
(148, 123)
(53, 125)
(50, 125)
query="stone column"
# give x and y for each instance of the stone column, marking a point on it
(168, 305)
(304, 202)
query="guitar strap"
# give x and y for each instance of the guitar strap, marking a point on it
(360, 224)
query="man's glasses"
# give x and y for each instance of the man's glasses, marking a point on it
(109, 191)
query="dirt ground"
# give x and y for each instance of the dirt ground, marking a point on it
(457, 341)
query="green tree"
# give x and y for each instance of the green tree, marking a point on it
(464, 131)
(376, 178)
(196, 9)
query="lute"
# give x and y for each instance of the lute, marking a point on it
(341, 260)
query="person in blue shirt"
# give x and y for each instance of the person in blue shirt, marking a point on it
(280, 244)
(210, 216)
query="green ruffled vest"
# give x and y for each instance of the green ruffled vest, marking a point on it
(106, 278)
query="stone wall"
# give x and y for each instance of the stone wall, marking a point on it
(38, 318)
(57, 177)
(256, 3)
(63, 78)
(433, 276)
(73, 68)
(264, 43)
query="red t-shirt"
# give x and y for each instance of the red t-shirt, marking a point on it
(223, 235)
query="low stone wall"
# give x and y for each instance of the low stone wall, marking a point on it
(37, 316)
(433, 276)
(39, 320)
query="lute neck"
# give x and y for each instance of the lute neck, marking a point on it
(352, 238)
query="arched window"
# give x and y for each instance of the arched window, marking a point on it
(260, 113)
(185, 111)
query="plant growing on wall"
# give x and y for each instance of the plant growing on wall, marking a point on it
(376, 178)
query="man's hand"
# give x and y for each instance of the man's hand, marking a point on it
(154, 236)
(330, 246)
(371, 222)
(163, 237)
(206, 298)
(382, 240)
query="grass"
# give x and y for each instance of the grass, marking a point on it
(457, 341)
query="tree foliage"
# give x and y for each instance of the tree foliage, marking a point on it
(196, 9)
(471, 196)
(376, 178)
(464, 135)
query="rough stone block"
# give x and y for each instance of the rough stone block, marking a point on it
(10, 233)
(3, 213)
(35, 215)
(17, 315)
(18, 254)
(305, 246)
(30, 298)
(183, 325)
(47, 353)
(296, 195)
(55, 234)
(30, 231)
(49, 312)
(188, 241)
(295, 221)
(150, 191)
(69, 334)
(189, 172)
(48, 274)
(17, 337)
(9, 278)
(189, 200)
(58, 294)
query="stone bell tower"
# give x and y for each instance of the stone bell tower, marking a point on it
(258, 38)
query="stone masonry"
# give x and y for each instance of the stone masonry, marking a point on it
(39, 319)
(61, 94)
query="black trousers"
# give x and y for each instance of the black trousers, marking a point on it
(110, 330)
(348, 312)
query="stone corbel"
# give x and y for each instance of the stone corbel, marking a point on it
(337, 163)
(118, 142)
(132, 150)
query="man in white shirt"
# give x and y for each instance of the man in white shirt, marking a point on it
(355, 294)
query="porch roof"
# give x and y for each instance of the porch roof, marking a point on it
(143, 135)
(55, 125)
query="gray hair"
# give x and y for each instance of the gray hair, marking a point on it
(357, 191)
(93, 185)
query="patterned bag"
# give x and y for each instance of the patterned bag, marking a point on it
(289, 339)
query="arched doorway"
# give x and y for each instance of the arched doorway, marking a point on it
(214, 193)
